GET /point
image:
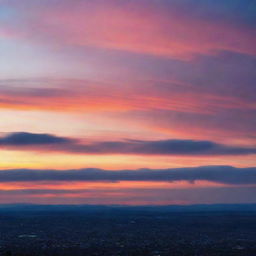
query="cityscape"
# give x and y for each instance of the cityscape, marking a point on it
(117, 230)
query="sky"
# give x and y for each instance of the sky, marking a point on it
(133, 102)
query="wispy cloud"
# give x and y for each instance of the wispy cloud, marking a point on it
(165, 28)
(73, 95)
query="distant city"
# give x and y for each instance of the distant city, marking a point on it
(29, 230)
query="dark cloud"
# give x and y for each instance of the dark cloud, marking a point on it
(138, 147)
(25, 138)
(219, 174)
(186, 147)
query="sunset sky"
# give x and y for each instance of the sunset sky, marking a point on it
(127, 101)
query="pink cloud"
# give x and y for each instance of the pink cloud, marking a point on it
(135, 28)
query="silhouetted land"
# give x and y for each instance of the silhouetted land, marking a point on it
(27, 230)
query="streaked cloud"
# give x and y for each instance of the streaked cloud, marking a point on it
(52, 143)
(75, 95)
(218, 174)
(130, 26)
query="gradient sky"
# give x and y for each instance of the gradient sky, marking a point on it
(127, 102)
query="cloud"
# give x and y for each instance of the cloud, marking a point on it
(187, 90)
(89, 96)
(26, 139)
(67, 95)
(52, 143)
(219, 174)
(163, 28)
(231, 125)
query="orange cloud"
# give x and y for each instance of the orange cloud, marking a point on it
(87, 96)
